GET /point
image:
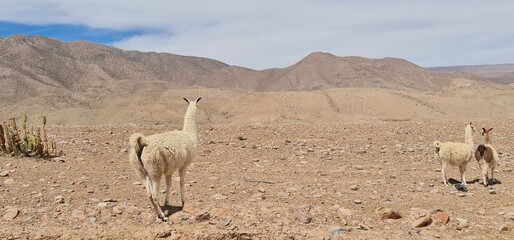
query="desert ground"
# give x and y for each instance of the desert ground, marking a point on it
(261, 180)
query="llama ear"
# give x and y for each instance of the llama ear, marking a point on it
(490, 129)
(198, 100)
(187, 100)
(483, 129)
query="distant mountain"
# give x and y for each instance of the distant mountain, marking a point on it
(498, 73)
(78, 71)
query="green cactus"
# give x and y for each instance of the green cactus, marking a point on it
(2, 140)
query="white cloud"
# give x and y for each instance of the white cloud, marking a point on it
(264, 34)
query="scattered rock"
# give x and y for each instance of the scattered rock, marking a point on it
(59, 199)
(389, 214)
(79, 214)
(504, 228)
(5, 173)
(136, 183)
(357, 201)
(442, 216)
(462, 226)
(423, 219)
(354, 187)
(338, 231)
(346, 212)
(206, 216)
(359, 167)
(218, 196)
(9, 182)
(302, 216)
(11, 214)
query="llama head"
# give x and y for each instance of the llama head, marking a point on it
(484, 131)
(195, 102)
(471, 126)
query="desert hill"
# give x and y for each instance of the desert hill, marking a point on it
(86, 83)
(499, 73)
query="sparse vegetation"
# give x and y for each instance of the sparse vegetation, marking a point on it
(26, 142)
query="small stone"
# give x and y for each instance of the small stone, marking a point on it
(116, 210)
(492, 191)
(442, 217)
(461, 220)
(302, 216)
(354, 187)
(5, 173)
(357, 201)
(218, 196)
(424, 220)
(462, 226)
(59, 199)
(9, 182)
(389, 214)
(79, 214)
(11, 214)
(359, 167)
(338, 231)
(203, 217)
(136, 183)
(92, 220)
(258, 196)
(346, 212)
(504, 228)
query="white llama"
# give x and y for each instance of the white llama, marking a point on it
(456, 153)
(163, 154)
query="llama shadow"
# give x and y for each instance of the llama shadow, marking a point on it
(491, 182)
(454, 181)
(170, 210)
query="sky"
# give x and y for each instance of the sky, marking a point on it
(261, 34)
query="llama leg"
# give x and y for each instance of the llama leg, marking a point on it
(492, 174)
(149, 191)
(462, 169)
(182, 173)
(443, 173)
(485, 168)
(168, 187)
(155, 195)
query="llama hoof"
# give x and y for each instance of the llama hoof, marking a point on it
(461, 187)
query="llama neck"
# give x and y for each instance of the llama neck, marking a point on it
(189, 121)
(487, 138)
(468, 136)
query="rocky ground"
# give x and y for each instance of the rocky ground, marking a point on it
(323, 181)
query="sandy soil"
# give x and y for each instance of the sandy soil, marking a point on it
(262, 181)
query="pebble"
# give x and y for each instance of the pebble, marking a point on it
(206, 216)
(218, 196)
(442, 217)
(59, 199)
(423, 220)
(354, 187)
(338, 231)
(504, 228)
(389, 213)
(136, 183)
(9, 182)
(357, 201)
(79, 214)
(359, 167)
(11, 214)
(302, 216)
(4, 173)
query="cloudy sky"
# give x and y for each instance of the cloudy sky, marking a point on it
(262, 34)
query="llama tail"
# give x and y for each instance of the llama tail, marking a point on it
(138, 142)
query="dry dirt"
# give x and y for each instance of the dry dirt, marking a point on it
(262, 181)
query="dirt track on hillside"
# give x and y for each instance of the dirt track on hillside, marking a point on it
(283, 181)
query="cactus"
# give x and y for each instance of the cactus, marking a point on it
(31, 143)
(2, 140)
(43, 136)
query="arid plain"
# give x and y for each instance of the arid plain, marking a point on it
(318, 157)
